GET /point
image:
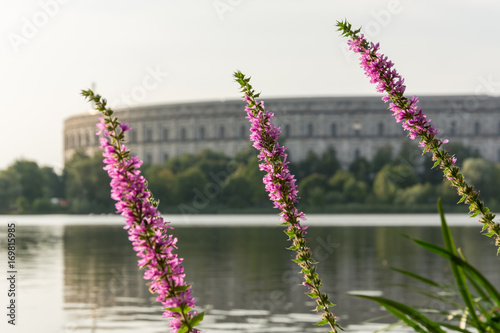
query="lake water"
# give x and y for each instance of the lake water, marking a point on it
(79, 273)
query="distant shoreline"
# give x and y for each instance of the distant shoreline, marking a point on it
(250, 220)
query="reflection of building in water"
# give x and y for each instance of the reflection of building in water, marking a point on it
(99, 266)
(354, 126)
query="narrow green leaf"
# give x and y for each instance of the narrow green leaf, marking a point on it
(462, 199)
(196, 319)
(417, 277)
(176, 309)
(322, 322)
(457, 270)
(183, 329)
(478, 276)
(409, 315)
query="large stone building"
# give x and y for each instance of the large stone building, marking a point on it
(354, 126)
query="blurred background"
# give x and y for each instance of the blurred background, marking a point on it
(79, 274)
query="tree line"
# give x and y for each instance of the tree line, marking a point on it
(211, 182)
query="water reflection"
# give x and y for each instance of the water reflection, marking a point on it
(84, 278)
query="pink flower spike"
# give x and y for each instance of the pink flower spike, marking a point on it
(146, 229)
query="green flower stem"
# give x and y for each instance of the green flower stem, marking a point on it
(440, 156)
(280, 180)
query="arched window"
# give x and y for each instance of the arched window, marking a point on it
(477, 128)
(201, 133)
(164, 134)
(453, 128)
(310, 130)
(149, 158)
(133, 136)
(148, 134)
(87, 140)
(287, 130)
(333, 130)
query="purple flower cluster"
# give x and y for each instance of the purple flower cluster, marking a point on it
(282, 190)
(279, 182)
(146, 228)
(381, 72)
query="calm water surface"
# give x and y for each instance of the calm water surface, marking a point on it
(79, 274)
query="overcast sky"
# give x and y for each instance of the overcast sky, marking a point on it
(160, 51)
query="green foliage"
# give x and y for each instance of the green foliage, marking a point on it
(480, 300)
(220, 183)
(361, 169)
(86, 185)
(161, 182)
(27, 188)
(326, 164)
(416, 194)
(10, 190)
(384, 187)
(187, 182)
(313, 188)
(382, 157)
(480, 173)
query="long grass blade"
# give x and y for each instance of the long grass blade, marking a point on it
(409, 315)
(478, 276)
(457, 270)
(417, 277)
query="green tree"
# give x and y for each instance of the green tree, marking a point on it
(31, 180)
(384, 188)
(345, 188)
(161, 183)
(307, 166)
(338, 180)
(328, 163)
(237, 192)
(54, 186)
(192, 185)
(86, 185)
(255, 193)
(355, 190)
(312, 188)
(382, 157)
(10, 190)
(481, 174)
(361, 170)
(416, 194)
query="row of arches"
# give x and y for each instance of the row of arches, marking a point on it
(222, 132)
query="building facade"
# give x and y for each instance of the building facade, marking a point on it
(353, 126)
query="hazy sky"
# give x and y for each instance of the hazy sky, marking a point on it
(145, 52)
